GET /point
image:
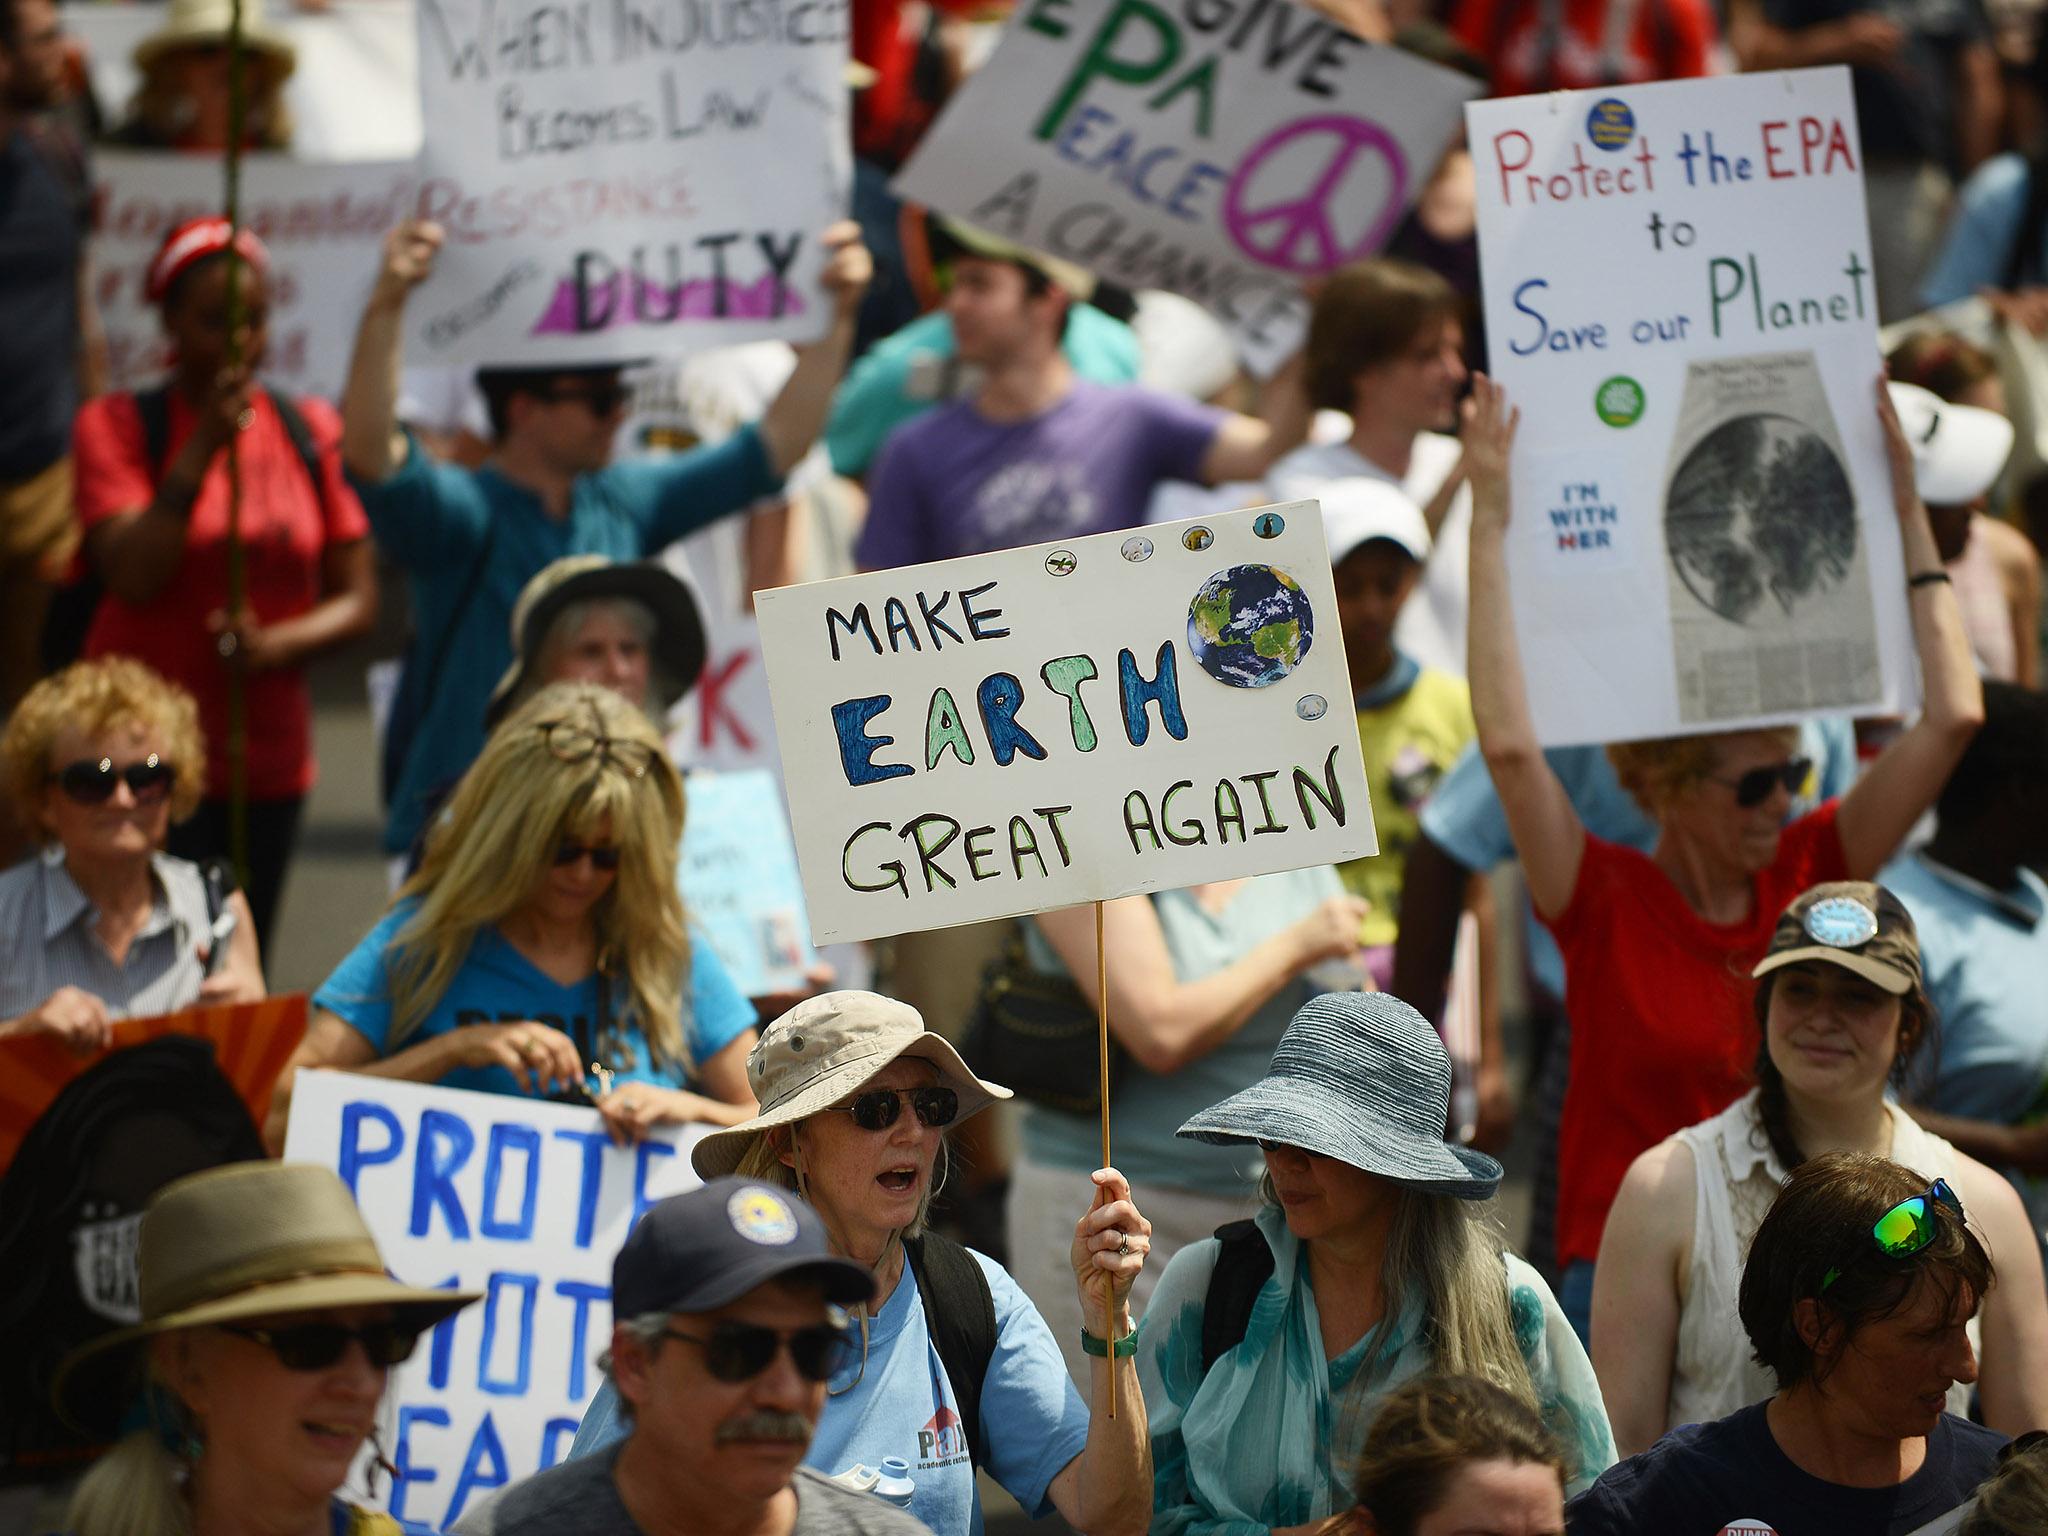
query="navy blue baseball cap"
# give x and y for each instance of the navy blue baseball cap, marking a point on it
(698, 1251)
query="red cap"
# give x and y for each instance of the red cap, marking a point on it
(195, 240)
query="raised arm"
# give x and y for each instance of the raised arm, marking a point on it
(1245, 447)
(371, 444)
(1548, 833)
(1644, 1250)
(1164, 1022)
(797, 415)
(1881, 807)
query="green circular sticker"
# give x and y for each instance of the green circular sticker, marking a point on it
(1619, 401)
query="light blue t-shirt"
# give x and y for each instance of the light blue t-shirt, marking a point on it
(498, 984)
(900, 1403)
(1149, 1107)
(1465, 818)
(1981, 234)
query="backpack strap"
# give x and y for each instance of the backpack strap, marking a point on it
(295, 428)
(2023, 260)
(960, 1315)
(1244, 1262)
(153, 405)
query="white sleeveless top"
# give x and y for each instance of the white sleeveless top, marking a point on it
(1735, 1179)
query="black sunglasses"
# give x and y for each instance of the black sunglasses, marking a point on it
(1754, 787)
(604, 856)
(91, 782)
(880, 1108)
(738, 1352)
(316, 1346)
(573, 742)
(599, 399)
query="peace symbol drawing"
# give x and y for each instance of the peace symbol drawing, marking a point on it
(1294, 201)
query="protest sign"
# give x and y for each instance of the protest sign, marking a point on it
(739, 881)
(324, 226)
(520, 1199)
(1678, 298)
(1224, 152)
(626, 179)
(1037, 727)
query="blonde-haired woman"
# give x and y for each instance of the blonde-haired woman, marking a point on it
(100, 759)
(542, 947)
(268, 1328)
(1268, 1349)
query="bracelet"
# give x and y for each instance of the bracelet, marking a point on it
(1929, 579)
(1122, 1349)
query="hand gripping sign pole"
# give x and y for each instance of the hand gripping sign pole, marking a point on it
(1102, 1055)
(230, 640)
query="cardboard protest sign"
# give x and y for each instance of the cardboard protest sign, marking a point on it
(1221, 151)
(523, 1200)
(1679, 299)
(626, 179)
(739, 880)
(1033, 728)
(252, 1042)
(323, 224)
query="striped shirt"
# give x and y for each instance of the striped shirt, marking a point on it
(47, 940)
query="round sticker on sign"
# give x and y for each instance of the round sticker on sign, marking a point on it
(760, 1216)
(1611, 125)
(1748, 1528)
(1619, 401)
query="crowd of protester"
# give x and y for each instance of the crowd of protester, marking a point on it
(1783, 1021)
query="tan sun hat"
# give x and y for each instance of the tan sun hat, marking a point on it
(190, 23)
(236, 1242)
(825, 1048)
(1077, 282)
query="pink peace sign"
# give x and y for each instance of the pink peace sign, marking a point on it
(1276, 233)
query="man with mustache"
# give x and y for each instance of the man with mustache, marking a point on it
(727, 1323)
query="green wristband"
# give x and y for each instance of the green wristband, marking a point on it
(1123, 1348)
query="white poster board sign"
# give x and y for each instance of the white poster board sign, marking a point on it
(1029, 729)
(523, 1200)
(1221, 152)
(739, 880)
(626, 180)
(1678, 298)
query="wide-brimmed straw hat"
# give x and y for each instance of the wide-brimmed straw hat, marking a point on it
(679, 644)
(825, 1048)
(1363, 1078)
(227, 1244)
(204, 23)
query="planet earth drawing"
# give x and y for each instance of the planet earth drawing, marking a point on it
(1250, 626)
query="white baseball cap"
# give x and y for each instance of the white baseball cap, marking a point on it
(1360, 508)
(1958, 450)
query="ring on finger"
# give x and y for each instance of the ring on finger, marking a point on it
(1123, 1246)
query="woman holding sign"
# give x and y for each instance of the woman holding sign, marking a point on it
(1658, 947)
(542, 948)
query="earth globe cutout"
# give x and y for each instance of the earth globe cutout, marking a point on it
(1251, 625)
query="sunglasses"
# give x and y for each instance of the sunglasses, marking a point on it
(1754, 787)
(571, 741)
(92, 782)
(880, 1108)
(316, 1346)
(738, 1352)
(603, 856)
(1907, 1227)
(598, 399)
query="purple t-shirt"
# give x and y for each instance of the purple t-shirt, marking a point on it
(951, 482)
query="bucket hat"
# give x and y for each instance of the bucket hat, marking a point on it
(205, 23)
(825, 1048)
(1856, 924)
(679, 644)
(1363, 1078)
(240, 1241)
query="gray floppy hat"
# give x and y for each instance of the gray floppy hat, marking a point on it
(679, 645)
(1363, 1078)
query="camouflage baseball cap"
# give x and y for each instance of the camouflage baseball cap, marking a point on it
(1856, 924)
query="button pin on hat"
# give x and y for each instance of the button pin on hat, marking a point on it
(1841, 922)
(760, 1217)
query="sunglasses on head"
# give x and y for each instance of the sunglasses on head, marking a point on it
(571, 741)
(316, 1346)
(879, 1108)
(604, 856)
(1907, 1227)
(1754, 787)
(738, 1352)
(91, 781)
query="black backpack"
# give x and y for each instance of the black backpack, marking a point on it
(960, 1314)
(1244, 1262)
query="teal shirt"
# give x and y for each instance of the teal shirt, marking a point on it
(1150, 1106)
(1272, 1435)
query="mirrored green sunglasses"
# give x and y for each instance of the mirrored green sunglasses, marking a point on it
(1908, 1226)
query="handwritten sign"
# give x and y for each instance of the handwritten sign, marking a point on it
(1678, 297)
(620, 178)
(324, 226)
(522, 1200)
(739, 880)
(1029, 729)
(1221, 151)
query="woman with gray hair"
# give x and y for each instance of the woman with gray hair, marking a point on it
(1269, 1348)
(955, 1371)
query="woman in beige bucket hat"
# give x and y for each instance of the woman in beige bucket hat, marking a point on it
(856, 1095)
(268, 1327)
